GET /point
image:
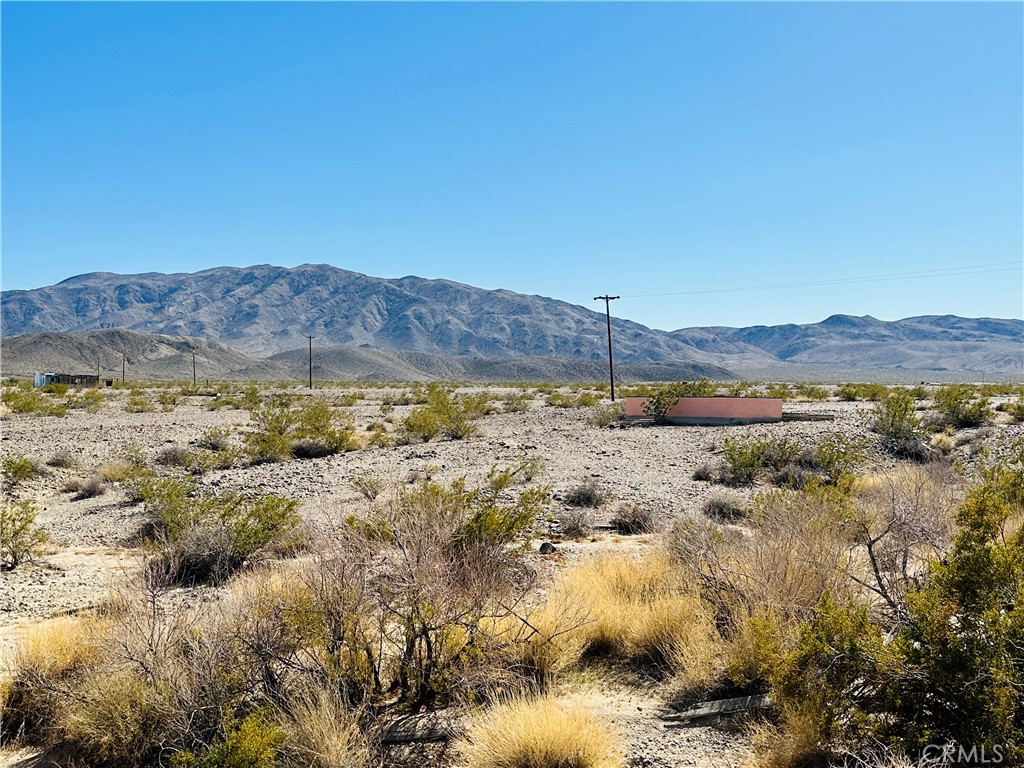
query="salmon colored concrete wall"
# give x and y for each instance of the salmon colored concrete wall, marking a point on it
(726, 409)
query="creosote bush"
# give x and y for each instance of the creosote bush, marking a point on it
(444, 415)
(20, 537)
(957, 407)
(205, 539)
(309, 431)
(18, 468)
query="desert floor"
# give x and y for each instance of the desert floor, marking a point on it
(93, 540)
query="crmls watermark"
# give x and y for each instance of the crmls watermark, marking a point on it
(968, 756)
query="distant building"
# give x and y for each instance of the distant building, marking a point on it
(71, 379)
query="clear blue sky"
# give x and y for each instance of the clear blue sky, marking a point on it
(565, 150)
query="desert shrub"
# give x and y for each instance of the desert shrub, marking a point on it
(576, 523)
(207, 539)
(18, 468)
(216, 439)
(442, 414)
(632, 519)
(63, 459)
(454, 558)
(745, 459)
(839, 457)
(138, 402)
(724, 509)
(1015, 409)
(168, 400)
(606, 415)
(536, 644)
(56, 388)
(367, 486)
(661, 399)
(893, 416)
(779, 390)
(538, 733)
(705, 473)
(862, 391)
(118, 718)
(201, 461)
(811, 392)
(172, 456)
(88, 488)
(516, 402)
(251, 742)
(89, 400)
(957, 407)
(20, 537)
(379, 437)
(576, 400)
(31, 400)
(586, 494)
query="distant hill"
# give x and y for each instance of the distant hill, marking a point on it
(935, 343)
(147, 356)
(155, 356)
(265, 310)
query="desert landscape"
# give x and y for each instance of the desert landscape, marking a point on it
(623, 570)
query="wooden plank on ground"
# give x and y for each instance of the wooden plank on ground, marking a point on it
(719, 707)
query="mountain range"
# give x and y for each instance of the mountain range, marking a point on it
(263, 311)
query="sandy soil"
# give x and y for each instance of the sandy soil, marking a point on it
(653, 466)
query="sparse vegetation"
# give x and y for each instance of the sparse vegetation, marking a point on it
(957, 407)
(586, 494)
(632, 519)
(20, 536)
(18, 468)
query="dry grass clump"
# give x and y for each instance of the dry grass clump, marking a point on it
(87, 488)
(172, 456)
(542, 642)
(634, 519)
(538, 733)
(321, 732)
(586, 494)
(724, 509)
(48, 657)
(63, 460)
(576, 523)
(638, 609)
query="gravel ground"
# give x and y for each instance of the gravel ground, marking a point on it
(650, 466)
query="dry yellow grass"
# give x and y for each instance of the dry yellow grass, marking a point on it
(322, 733)
(638, 608)
(538, 733)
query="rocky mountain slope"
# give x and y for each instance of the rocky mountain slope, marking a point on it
(265, 310)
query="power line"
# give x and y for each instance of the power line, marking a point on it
(973, 269)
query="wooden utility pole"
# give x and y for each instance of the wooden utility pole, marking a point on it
(608, 316)
(123, 356)
(193, 367)
(310, 361)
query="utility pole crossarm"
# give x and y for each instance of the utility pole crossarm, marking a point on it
(608, 316)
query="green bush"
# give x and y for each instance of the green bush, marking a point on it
(20, 537)
(205, 539)
(252, 742)
(893, 417)
(18, 468)
(872, 392)
(745, 459)
(29, 400)
(958, 408)
(443, 414)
